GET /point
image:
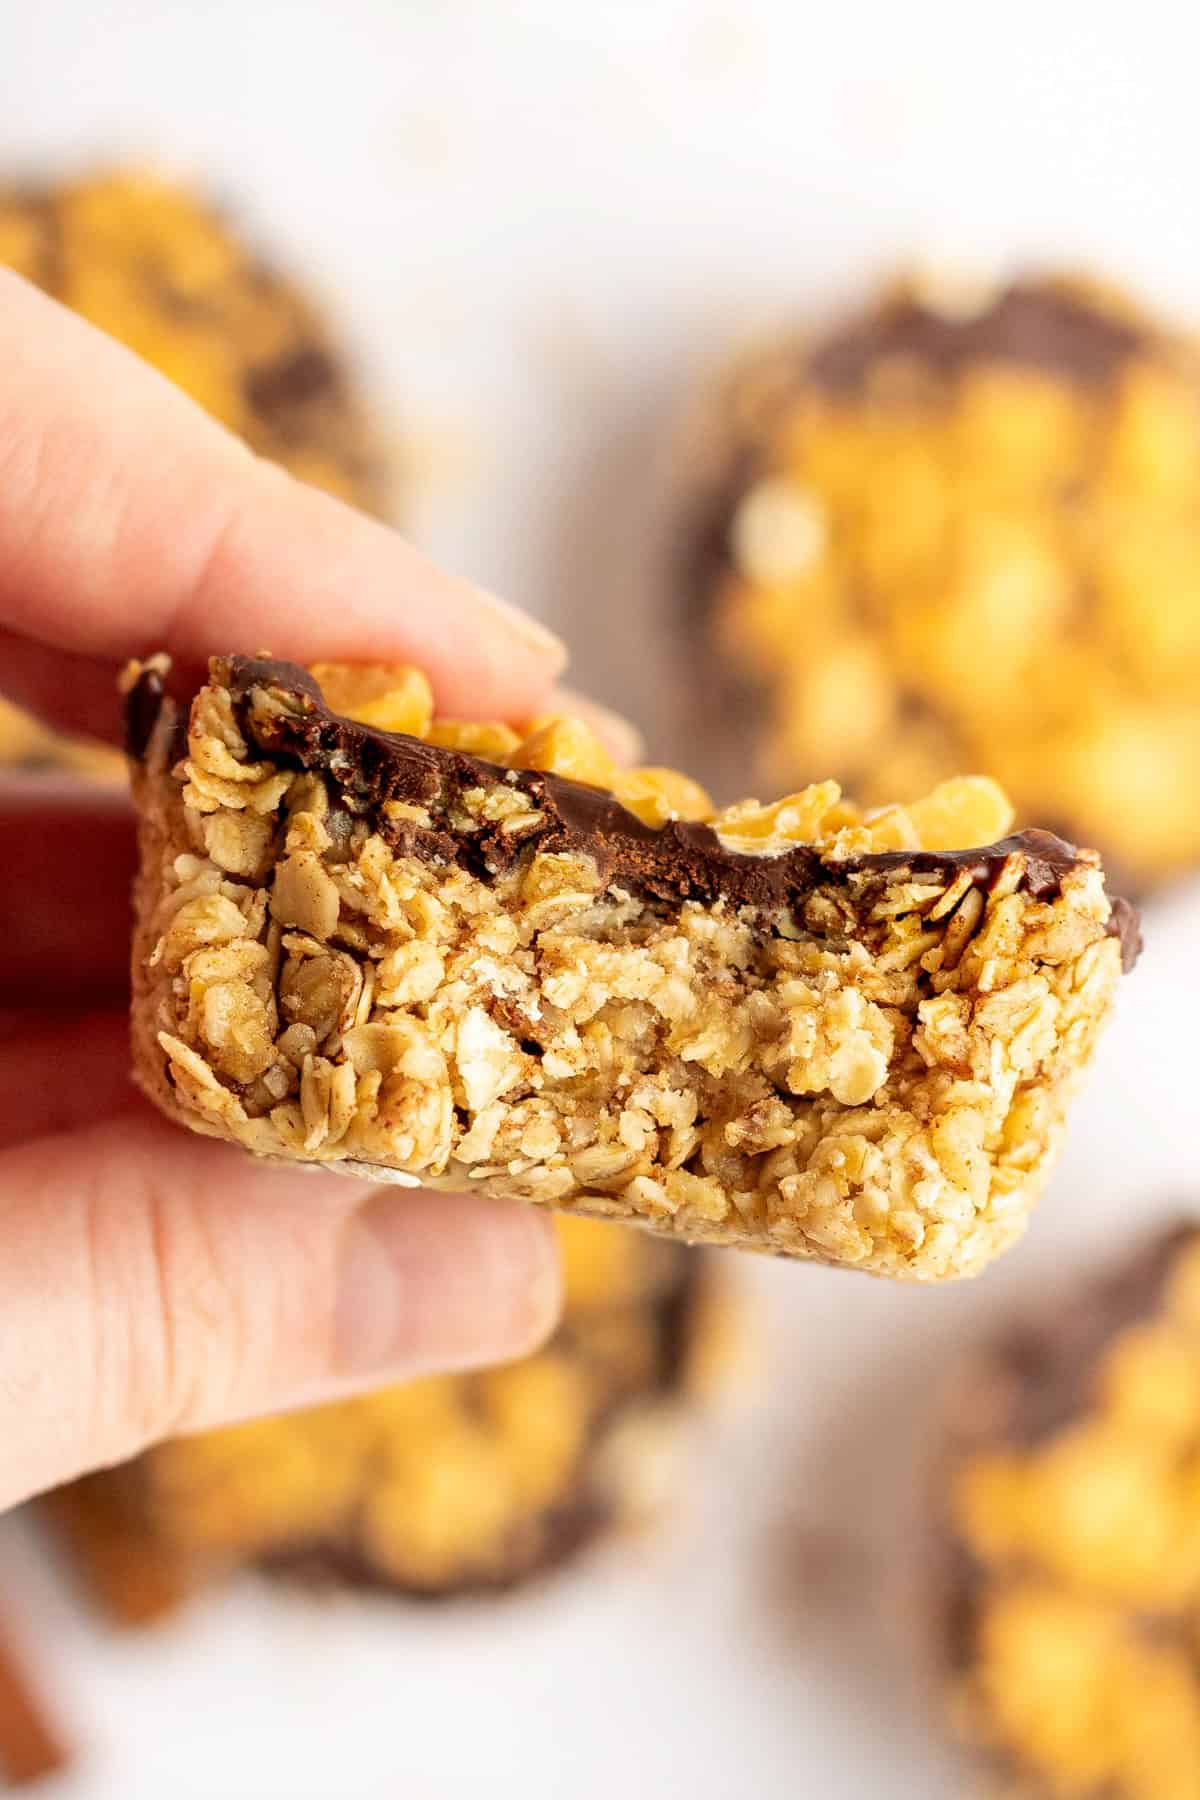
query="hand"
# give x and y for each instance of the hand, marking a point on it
(152, 1282)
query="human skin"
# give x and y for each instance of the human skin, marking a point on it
(152, 1283)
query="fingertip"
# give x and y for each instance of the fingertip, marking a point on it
(133, 520)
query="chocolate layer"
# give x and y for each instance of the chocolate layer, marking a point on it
(1032, 324)
(669, 864)
(143, 706)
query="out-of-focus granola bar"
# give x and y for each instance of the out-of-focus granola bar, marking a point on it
(962, 530)
(1069, 1532)
(472, 956)
(446, 1485)
(28, 745)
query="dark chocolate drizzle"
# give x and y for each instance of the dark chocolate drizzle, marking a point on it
(668, 864)
(1034, 324)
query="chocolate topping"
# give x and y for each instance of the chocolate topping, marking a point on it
(1034, 324)
(669, 864)
(1125, 924)
(143, 704)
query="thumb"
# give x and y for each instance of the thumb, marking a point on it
(152, 1283)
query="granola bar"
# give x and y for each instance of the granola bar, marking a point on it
(446, 1485)
(1070, 1539)
(962, 530)
(154, 266)
(467, 956)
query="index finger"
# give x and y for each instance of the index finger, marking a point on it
(129, 522)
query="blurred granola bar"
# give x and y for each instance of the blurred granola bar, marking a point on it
(962, 530)
(1069, 1538)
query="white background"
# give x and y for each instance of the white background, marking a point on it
(539, 222)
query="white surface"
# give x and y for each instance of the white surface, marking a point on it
(540, 219)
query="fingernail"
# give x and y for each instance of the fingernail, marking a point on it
(442, 1281)
(531, 632)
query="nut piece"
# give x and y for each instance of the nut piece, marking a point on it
(236, 1025)
(566, 747)
(316, 991)
(389, 697)
(659, 795)
(961, 813)
(488, 739)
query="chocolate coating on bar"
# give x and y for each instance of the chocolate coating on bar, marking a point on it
(1034, 324)
(670, 864)
(143, 704)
